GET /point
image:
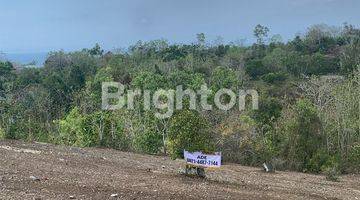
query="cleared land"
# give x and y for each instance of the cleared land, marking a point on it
(44, 171)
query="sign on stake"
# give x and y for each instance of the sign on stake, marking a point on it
(200, 159)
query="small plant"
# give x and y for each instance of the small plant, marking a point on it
(2, 134)
(193, 171)
(332, 174)
(354, 159)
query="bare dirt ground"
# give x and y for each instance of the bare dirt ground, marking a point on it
(44, 171)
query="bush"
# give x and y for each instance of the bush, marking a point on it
(255, 68)
(237, 142)
(303, 135)
(93, 125)
(332, 174)
(320, 64)
(148, 139)
(97, 129)
(274, 77)
(2, 134)
(72, 130)
(354, 159)
(322, 162)
(223, 77)
(149, 142)
(269, 110)
(190, 131)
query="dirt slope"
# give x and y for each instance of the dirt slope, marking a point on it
(92, 173)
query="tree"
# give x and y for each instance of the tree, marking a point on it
(223, 77)
(96, 50)
(190, 131)
(304, 132)
(261, 32)
(149, 81)
(29, 116)
(269, 111)
(148, 138)
(308, 130)
(276, 40)
(72, 129)
(321, 37)
(298, 44)
(186, 79)
(275, 60)
(255, 68)
(350, 57)
(320, 64)
(200, 39)
(6, 77)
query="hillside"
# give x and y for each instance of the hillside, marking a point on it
(45, 171)
(293, 103)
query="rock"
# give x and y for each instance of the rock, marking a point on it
(181, 171)
(72, 197)
(114, 195)
(268, 167)
(34, 178)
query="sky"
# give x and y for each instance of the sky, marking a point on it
(41, 25)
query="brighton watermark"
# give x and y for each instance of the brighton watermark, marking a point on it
(114, 97)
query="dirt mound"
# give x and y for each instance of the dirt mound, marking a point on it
(44, 171)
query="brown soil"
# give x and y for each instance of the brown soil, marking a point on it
(92, 173)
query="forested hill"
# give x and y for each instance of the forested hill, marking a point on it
(308, 116)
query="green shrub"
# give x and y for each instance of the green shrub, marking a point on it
(304, 138)
(2, 134)
(269, 110)
(190, 131)
(149, 142)
(100, 128)
(332, 174)
(147, 139)
(322, 162)
(275, 77)
(93, 126)
(354, 159)
(72, 130)
(321, 64)
(255, 68)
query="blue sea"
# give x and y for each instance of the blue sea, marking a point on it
(26, 58)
